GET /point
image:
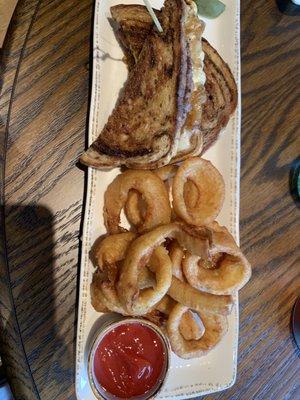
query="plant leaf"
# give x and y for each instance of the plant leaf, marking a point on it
(210, 8)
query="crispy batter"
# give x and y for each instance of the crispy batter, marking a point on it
(139, 254)
(207, 203)
(134, 300)
(189, 328)
(136, 207)
(193, 298)
(96, 294)
(153, 191)
(176, 253)
(224, 271)
(215, 328)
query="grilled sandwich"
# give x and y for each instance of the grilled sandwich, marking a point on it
(155, 120)
(135, 24)
(143, 130)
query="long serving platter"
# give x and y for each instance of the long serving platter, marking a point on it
(217, 370)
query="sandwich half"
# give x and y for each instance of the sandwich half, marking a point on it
(155, 120)
(134, 25)
(144, 128)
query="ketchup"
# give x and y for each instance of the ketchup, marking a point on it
(130, 360)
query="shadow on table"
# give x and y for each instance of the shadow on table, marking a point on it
(34, 353)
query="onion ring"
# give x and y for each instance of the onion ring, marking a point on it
(135, 208)
(199, 301)
(110, 251)
(108, 254)
(153, 192)
(189, 327)
(224, 271)
(110, 298)
(138, 255)
(136, 301)
(215, 328)
(211, 191)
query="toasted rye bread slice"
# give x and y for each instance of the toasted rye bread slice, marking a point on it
(134, 25)
(144, 128)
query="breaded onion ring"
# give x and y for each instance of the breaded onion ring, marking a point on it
(153, 192)
(108, 254)
(189, 327)
(136, 301)
(224, 271)
(111, 299)
(215, 328)
(135, 207)
(199, 301)
(207, 203)
(139, 254)
(110, 251)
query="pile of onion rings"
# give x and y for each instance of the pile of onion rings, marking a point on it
(175, 265)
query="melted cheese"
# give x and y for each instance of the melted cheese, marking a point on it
(185, 140)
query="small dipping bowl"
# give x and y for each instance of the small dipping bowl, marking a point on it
(129, 359)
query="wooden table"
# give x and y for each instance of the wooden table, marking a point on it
(44, 104)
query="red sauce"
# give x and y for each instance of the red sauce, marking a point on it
(130, 360)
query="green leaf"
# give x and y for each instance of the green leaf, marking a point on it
(210, 8)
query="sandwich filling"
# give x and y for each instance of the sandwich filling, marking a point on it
(193, 30)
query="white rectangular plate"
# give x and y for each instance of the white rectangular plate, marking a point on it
(217, 370)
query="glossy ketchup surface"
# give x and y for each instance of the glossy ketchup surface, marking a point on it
(130, 360)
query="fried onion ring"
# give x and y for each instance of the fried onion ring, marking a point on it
(224, 271)
(215, 328)
(189, 327)
(110, 251)
(136, 301)
(139, 254)
(108, 255)
(135, 207)
(153, 192)
(111, 299)
(204, 205)
(199, 301)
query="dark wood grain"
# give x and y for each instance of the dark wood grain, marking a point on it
(44, 98)
(44, 110)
